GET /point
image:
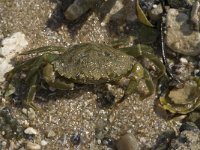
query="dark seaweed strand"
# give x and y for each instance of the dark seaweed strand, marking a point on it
(173, 79)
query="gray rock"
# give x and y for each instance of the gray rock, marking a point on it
(180, 37)
(127, 142)
(32, 146)
(188, 139)
(78, 8)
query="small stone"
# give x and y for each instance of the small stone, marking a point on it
(3, 100)
(103, 24)
(197, 72)
(3, 132)
(183, 60)
(44, 143)
(51, 133)
(31, 114)
(99, 141)
(32, 146)
(24, 110)
(179, 36)
(26, 123)
(30, 131)
(4, 143)
(127, 142)
(12, 145)
(78, 8)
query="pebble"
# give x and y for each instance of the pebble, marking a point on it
(44, 143)
(26, 123)
(12, 145)
(127, 142)
(179, 36)
(32, 146)
(183, 60)
(24, 110)
(51, 133)
(78, 8)
(4, 143)
(99, 141)
(30, 131)
(31, 114)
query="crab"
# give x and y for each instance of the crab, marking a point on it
(86, 63)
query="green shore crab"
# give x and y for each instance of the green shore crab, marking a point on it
(86, 63)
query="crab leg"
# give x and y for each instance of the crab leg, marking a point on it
(45, 49)
(9, 75)
(138, 51)
(157, 62)
(34, 63)
(139, 73)
(31, 93)
(18, 68)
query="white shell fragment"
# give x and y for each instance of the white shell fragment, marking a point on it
(44, 143)
(5, 66)
(10, 46)
(13, 44)
(30, 131)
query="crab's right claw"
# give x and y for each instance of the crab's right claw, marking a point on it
(139, 73)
